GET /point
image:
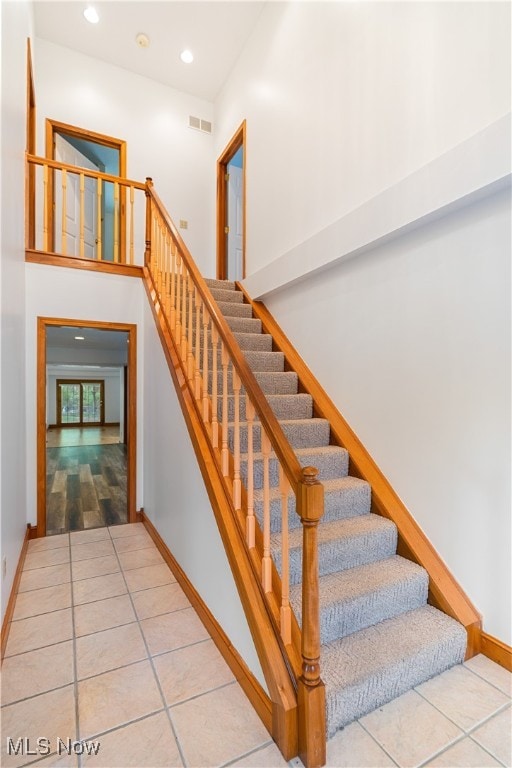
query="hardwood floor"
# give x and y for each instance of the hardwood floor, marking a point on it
(85, 487)
(82, 436)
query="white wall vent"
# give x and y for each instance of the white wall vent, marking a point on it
(200, 125)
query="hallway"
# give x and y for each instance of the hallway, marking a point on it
(104, 647)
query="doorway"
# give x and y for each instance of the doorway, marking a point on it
(86, 425)
(231, 208)
(104, 230)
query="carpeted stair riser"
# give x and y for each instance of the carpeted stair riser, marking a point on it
(281, 383)
(232, 309)
(369, 668)
(213, 284)
(302, 433)
(361, 597)
(342, 544)
(256, 341)
(246, 325)
(343, 498)
(284, 407)
(379, 638)
(330, 461)
(221, 295)
(262, 361)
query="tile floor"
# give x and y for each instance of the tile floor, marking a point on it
(105, 648)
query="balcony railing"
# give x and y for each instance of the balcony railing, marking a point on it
(84, 214)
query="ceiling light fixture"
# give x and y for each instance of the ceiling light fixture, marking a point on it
(142, 40)
(91, 14)
(80, 338)
(187, 56)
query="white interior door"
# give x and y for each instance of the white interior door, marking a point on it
(65, 153)
(235, 224)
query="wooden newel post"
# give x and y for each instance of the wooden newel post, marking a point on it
(147, 252)
(311, 691)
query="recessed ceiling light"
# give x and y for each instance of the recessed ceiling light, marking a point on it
(142, 40)
(187, 56)
(80, 338)
(91, 14)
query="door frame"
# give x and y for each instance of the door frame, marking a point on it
(238, 140)
(54, 126)
(130, 395)
(80, 423)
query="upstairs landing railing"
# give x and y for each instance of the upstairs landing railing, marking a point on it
(208, 351)
(84, 214)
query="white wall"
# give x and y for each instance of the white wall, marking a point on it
(152, 118)
(420, 331)
(113, 384)
(78, 295)
(176, 501)
(343, 101)
(16, 26)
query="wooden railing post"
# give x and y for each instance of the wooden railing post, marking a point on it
(311, 691)
(147, 252)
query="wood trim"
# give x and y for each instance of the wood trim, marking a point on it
(30, 187)
(496, 650)
(275, 668)
(444, 591)
(131, 394)
(74, 262)
(253, 690)
(6, 624)
(51, 128)
(56, 165)
(237, 141)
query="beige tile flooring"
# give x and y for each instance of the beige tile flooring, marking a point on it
(104, 647)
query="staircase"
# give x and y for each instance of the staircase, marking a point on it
(379, 636)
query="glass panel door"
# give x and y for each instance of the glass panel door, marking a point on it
(69, 410)
(91, 402)
(80, 402)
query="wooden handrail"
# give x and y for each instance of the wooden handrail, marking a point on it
(280, 444)
(184, 299)
(36, 160)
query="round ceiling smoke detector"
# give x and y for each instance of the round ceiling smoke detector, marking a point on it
(142, 40)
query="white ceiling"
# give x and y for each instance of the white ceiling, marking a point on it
(94, 338)
(214, 31)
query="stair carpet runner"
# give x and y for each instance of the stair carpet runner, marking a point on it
(379, 637)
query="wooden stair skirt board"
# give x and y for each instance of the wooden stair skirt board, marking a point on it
(239, 668)
(382, 585)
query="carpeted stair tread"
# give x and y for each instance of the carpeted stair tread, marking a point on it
(342, 544)
(359, 597)
(367, 669)
(222, 294)
(300, 433)
(344, 497)
(331, 462)
(230, 309)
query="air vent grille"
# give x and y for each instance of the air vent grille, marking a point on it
(199, 125)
